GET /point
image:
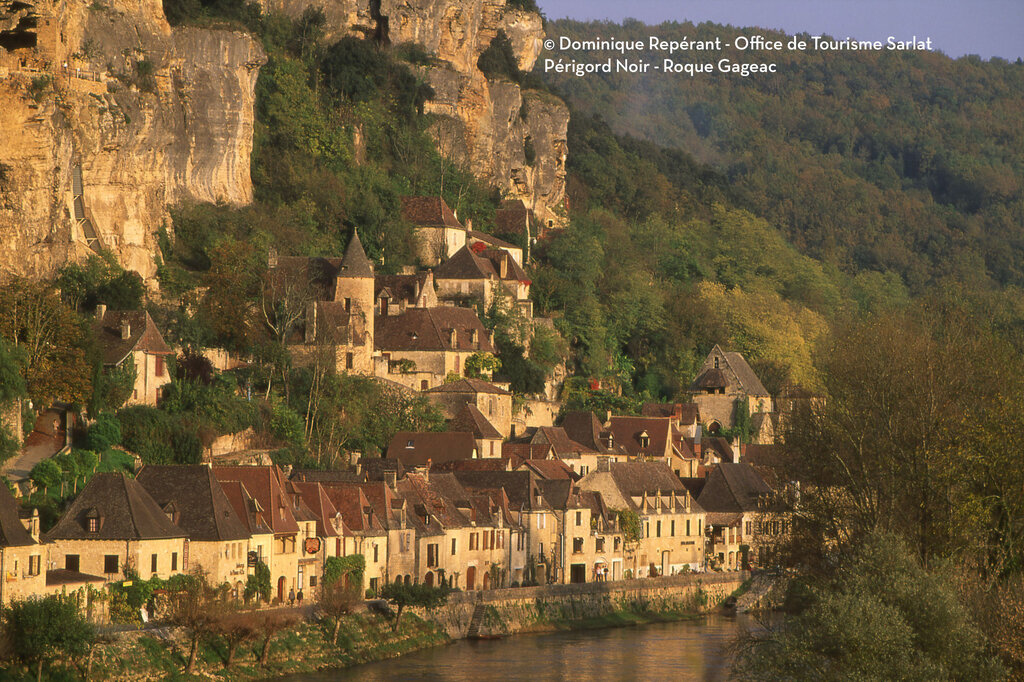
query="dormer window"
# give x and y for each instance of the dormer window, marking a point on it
(716, 362)
(94, 525)
(452, 337)
(473, 336)
(348, 305)
(645, 440)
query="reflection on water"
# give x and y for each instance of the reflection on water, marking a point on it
(689, 650)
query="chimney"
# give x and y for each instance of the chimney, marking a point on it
(677, 411)
(101, 310)
(607, 417)
(672, 501)
(687, 499)
(734, 445)
(604, 464)
(696, 441)
(504, 265)
(126, 329)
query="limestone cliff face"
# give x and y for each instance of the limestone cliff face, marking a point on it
(109, 115)
(490, 124)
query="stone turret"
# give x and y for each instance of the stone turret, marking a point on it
(354, 287)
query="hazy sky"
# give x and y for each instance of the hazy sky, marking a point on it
(957, 27)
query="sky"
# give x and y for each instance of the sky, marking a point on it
(989, 28)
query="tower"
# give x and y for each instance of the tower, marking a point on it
(353, 287)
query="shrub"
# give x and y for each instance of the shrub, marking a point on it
(105, 432)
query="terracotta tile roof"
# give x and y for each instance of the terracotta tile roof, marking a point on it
(385, 502)
(688, 413)
(585, 429)
(628, 431)
(429, 329)
(467, 385)
(490, 239)
(358, 515)
(124, 509)
(486, 464)
(551, 469)
(429, 212)
(375, 468)
(315, 497)
(201, 508)
(326, 475)
(471, 419)
(733, 488)
(417, 448)
(264, 484)
(143, 335)
(434, 510)
(12, 532)
(526, 451)
(519, 486)
(246, 507)
(512, 217)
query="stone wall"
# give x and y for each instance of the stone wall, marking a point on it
(552, 607)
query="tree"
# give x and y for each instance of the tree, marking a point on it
(235, 628)
(46, 474)
(47, 629)
(882, 615)
(103, 433)
(193, 606)
(337, 599)
(257, 585)
(268, 624)
(482, 365)
(402, 595)
(12, 384)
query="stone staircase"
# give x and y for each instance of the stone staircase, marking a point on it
(474, 622)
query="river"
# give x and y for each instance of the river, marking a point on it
(685, 650)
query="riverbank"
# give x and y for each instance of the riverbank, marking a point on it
(160, 653)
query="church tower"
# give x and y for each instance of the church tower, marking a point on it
(353, 287)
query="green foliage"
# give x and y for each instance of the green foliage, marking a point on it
(257, 585)
(44, 629)
(12, 384)
(158, 437)
(629, 524)
(8, 444)
(103, 433)
(101, 279)
(499, 60)
(352, 567)
(358, 71)
(882, 613)
(112, 386)
(402, 595)
(481, 365)
(46, 474)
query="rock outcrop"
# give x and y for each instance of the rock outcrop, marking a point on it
(108, 116)
(514, 138)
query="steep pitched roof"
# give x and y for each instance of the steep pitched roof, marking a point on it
(585, 429)
(355, 263)
(123, 507)
(716, 377)
(429, 329)
(550, 469)
(316, 498)
(490, 239)
(12, 532)
(518, 485)
(526, 451)
(734, 488)
(467, 264)
(246, 507)
(486, 464)
(202, 509)
(687, 413)
(467, 385)
(512, 217)
(471, 419)
(417, 448)
(143, 335)
(408, 288)
(429, 212)
(559, 441)
(264, 484)
(636, 478)
(358, 515)
(628, 432)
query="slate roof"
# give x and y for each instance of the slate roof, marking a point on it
(417, 448)
(636, 478)
(518, 485)
(467, 264)
(429, 329)
(585, 429)
(559, 441)
(12, 531)
(355, 263)
(467, 385)
(429, 212)
(143, 335)
(551, 469)
(511, 217)
(401, 287)
(264, 484)
(733, 488)
(713, 377)
(126, 512)
(375, 468)
(471, 419)
(326, 475)
(202, 509)
(485, 464)
(526, 451)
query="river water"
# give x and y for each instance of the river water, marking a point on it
(686, 650)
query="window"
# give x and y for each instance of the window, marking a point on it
(152, 564)
(349, 361)
(110, 562)
(672, 530)
(71, 562)
(453, 546)
(34, 563)
(577, 545)
(159, 365)
(579, 518)
(424, 384)
(431, 555)
(616, 543)
(687, 526)
(376, 554)
(174, 561)
(94, 525)
(658, 528)
(647, 530)
(600, 544)
(348, 305)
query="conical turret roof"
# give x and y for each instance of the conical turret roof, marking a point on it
(355, 263)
